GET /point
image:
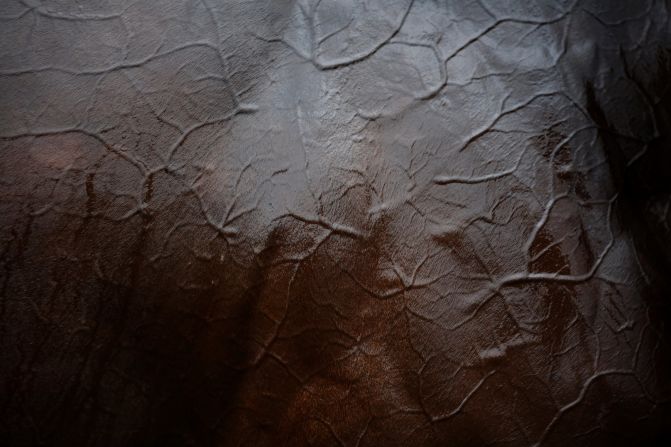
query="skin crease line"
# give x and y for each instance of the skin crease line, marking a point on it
(348, 223)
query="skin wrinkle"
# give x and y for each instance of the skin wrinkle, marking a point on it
(352, 223)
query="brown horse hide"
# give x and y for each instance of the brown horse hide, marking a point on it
(335, 223)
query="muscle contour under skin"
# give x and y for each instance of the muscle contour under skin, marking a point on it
(335, 222)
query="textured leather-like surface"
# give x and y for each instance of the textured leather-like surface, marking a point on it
(348, 223)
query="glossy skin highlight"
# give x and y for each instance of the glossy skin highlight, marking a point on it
(381, 223)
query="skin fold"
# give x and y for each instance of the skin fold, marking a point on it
(335, 223)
